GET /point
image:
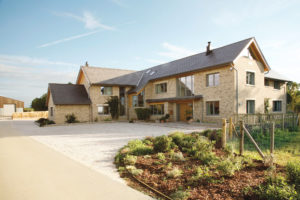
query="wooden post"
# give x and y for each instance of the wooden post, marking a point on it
(224, 133)
(241, 137)
(230, 127)
(282, 121)
(272, 130)
(255, 144)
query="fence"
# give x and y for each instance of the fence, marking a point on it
(30, 115)
(283, 121)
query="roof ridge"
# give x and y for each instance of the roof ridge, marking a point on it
(107, 68)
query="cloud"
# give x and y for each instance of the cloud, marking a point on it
(119, 3)
(68, 39)
(26, 60)
(175, 52)
(89, 20)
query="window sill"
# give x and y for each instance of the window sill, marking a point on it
(103, 114)
(249, 85)
(213, 86)
(212, 115)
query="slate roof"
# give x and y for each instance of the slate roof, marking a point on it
(196, 97)
(69, 94)
(219, 56)
(275, 76)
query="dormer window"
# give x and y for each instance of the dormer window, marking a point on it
(106, 90)
(249, 54)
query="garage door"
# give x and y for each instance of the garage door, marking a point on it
(9, 109)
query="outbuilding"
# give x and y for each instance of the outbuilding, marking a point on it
(8, 106)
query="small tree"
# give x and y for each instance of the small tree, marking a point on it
(39, 104)
(113, 103)
(293, 96)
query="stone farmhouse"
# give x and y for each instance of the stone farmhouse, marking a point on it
(209, 86)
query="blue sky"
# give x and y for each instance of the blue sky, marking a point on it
(47, 41)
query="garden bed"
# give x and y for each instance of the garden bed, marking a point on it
(192, 166)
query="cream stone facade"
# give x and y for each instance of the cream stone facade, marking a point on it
(227, 96)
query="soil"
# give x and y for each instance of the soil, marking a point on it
(154, 174)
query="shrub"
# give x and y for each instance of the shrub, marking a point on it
(177, 137)
(175, 172)
(136, 172)
(138, 148)
(275, 188)
(143, 113)
(178, 156)
(44, 121)
(71, 118)
(162, 143)
(202, 173)
(180, 195)
(229, 166)
(293, 173)
(130, 160)
(114, 104)
(161, 156)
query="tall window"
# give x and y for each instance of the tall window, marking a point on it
(277, 85)
(250, 106)
(250, 78)
(157, 109)
(103, 109)
(212, 108)
(161, 88)
(267, 82)
(51, 111)
(138, 100)
(122, 100)
(277, 106)
(212, 79)
(106, 90)
(185, 86)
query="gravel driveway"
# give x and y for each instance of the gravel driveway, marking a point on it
(95, 145)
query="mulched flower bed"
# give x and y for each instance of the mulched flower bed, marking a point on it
(224, 187)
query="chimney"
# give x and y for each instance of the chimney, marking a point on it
(86, 64)
(208, 50)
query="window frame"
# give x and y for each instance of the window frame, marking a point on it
(267, 82)
(179, 82)
(135, 98)
(51, 111)
(103, 90)
(163, 89)
(247, 107)
(103, 106)
(248, 82)
(273, 105)
(213, 104)
(279, 84)
(214, 82)
(153, 107)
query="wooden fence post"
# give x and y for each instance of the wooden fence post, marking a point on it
(230, 127)
(282, 121)
(241, 137)
(272, 130)
(224, 133)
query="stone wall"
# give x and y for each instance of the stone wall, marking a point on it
(82, 113)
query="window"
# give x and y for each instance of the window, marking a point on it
(277, 106)
(248, 53)
(122, 100)
(250, 78)
(161, 88)
(106, 90)
(212, 79)
(250, 106)
(157, 109)
(267, 82)
(212, 108)
(51, 111)
(185, 86)
(138, 100)
(103, 109)
(277, 85)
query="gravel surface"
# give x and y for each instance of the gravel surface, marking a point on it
(95, 145)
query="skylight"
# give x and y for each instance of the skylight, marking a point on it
(147, 72)
(152, 72)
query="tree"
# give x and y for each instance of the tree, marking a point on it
(39, 104)
(293, 96)
(113, 103)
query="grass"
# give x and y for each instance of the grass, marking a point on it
(287, 145)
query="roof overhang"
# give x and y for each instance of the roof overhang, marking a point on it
(175, 99)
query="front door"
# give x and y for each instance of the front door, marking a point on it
(185, 111)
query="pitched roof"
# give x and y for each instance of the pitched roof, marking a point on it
(219, 56)
(275, 75)
(69, 94)
(96, 74)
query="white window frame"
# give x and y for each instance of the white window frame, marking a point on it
(254, 106)
(214, 79)
(104, 90)
(273, 105)
(249, 71)
(102, 105)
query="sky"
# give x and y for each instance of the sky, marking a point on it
(45, 42)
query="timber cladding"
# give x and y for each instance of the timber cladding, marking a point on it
(5, 100)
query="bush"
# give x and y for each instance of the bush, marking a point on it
(71, 118)
(293, 173)
(143, 113)
(178, 156)
(161, 156)
(180, 195)
(275, 188)
(202, 173)
(130, 160)
(175, 172)
(162, 143)
(229, 166)
(138, 148)
(114, 104)
(43, 121)
(177, 137)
